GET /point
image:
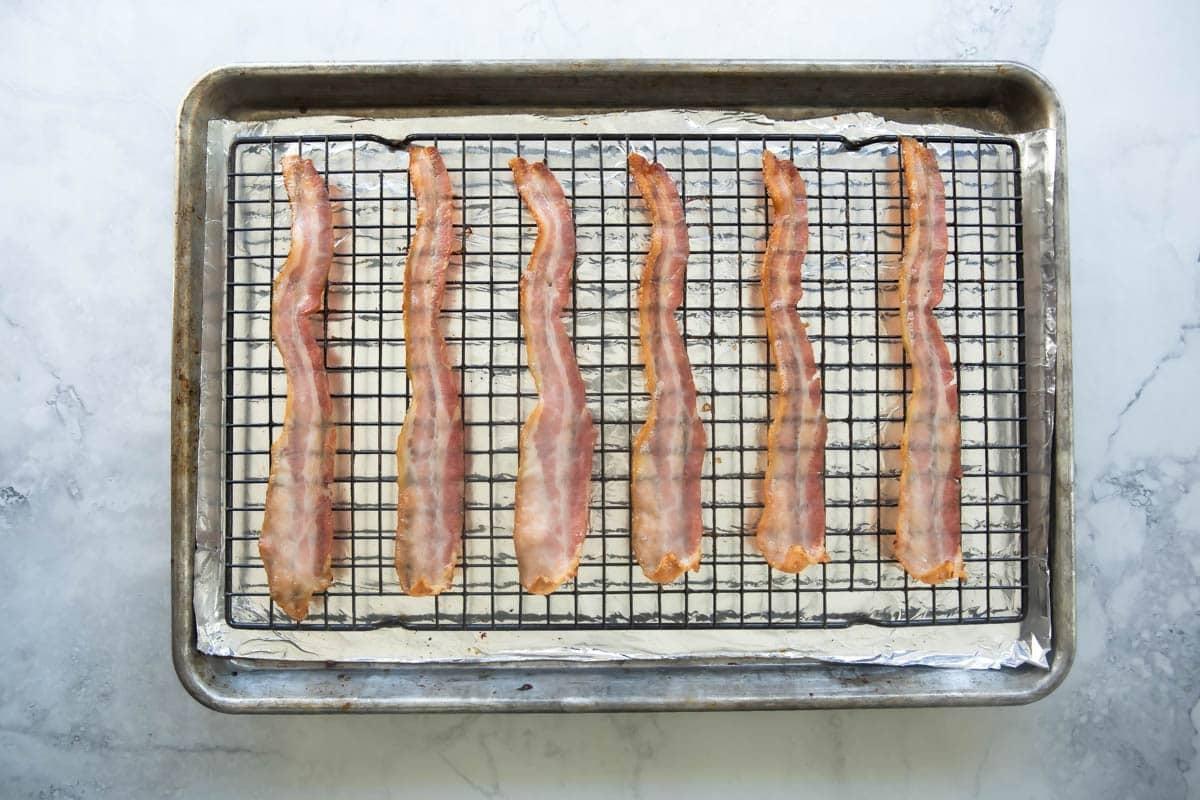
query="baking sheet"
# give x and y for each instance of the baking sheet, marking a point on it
(974, 646)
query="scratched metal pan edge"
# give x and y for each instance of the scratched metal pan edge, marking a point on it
(1005, 97)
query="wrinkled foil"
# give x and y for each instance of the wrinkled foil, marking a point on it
(967, 646)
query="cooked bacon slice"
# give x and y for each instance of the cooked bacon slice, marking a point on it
(928, 525)
(558, 438)
(668, 452)
(791, 531)
(297, 529)
(429, 452)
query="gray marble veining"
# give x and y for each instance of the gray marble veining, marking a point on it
(89, 705)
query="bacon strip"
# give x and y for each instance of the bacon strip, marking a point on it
(429, 451)
(297, 530)
(928, 525)
(668, 452)
(558, 438)
(791, 531)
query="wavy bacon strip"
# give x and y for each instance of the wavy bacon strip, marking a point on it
(429, 451)
(791, 531)
(297, 530)
(558, 438)
(928, 525)
(668, 452)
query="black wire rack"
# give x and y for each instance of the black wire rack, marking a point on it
(856, 214)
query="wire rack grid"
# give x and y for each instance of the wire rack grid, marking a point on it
(850, 306)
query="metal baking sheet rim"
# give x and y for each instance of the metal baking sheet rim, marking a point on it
(230, 685)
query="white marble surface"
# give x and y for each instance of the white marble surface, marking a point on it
(89, 704)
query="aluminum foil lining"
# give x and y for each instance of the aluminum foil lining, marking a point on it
(867, 611)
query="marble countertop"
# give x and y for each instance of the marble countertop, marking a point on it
(89, 703)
